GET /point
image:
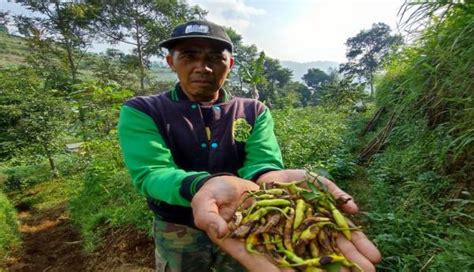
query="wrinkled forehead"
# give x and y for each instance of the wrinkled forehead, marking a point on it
(200, 45)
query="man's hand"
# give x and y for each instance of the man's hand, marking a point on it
(213, 205)
(360, 250)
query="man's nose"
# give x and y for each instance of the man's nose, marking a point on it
(202, 65)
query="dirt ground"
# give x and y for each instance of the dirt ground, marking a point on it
(52, 243)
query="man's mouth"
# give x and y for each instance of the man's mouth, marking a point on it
(202, 81)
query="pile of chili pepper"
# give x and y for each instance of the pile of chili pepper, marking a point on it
(296, 227)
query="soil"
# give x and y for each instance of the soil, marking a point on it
(52, 243)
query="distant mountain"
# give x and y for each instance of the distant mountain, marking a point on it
(301, 68)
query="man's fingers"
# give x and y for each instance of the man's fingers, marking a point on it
(207, 217)
(366, 247)
(349, 206)
(351, 252)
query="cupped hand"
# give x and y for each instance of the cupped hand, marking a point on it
(360, 249)
(213, 205)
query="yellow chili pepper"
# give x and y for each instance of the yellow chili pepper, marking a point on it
(340, 221)
(299, 213)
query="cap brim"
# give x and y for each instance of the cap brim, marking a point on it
(170, 43)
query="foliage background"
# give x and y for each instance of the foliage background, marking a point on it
(415, 191)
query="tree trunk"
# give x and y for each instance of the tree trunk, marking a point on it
(371, 82)
(72, 66)
(255, 94)
(140, 57)
(52, 164)
(68, 45)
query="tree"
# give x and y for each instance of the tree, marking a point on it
(142, 24)
(244, 57)
(114, 65)
(276, 77)
(65, 25)
(314, 78)
(367, 50)
(253, 74)
(31, 116)
(341, 91)
(4, 20)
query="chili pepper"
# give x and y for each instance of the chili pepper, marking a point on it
(313, 248)
(255, 216)
(251, 242)
(292, 256)
(299, 213)
(309, 211)
(309, 234)
(274, 191)
(348, 263)
(295, 236)
(320, 261)
(316, 219)
(272, 221)
(280, 261)
(324, 243)
(289, 229)
(333, 240)
(273, 202)
(265, 196)
(260, 213)
(340, 221)
(324, 260)
(238, 218)
(324, 211)
(278, 241)
(287, 184)
(268, 242)
(242, 230)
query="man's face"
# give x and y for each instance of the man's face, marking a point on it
(202, 66)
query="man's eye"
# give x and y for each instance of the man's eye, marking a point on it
(216, 57)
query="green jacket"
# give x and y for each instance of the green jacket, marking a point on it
(172, 146)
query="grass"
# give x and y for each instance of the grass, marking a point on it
(13, 50)
(9, 234)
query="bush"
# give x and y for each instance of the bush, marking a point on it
(9, 235)
(419, 196)
(25, 176)
(105, 196)
(314, 138)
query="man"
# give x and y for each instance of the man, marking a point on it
(193, 152)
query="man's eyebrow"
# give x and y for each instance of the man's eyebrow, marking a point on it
(189, 50)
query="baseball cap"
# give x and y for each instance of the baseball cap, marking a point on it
(198, 29)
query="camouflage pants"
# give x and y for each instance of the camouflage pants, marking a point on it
(181, 248)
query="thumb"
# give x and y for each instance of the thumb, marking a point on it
(217, 227)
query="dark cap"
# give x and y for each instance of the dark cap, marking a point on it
(198, 29)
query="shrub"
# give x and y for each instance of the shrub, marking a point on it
(314, 137)
(105, 197)
(24, 176)
(9, 235)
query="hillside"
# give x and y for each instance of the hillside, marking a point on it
(300, 68)
(13, 50)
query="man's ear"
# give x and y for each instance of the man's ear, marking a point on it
(169, 60)
(232, 61)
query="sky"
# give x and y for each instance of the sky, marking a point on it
(296, 30)
(301, 30)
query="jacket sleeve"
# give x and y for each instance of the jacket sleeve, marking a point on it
(150, 162)
(262, 150)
